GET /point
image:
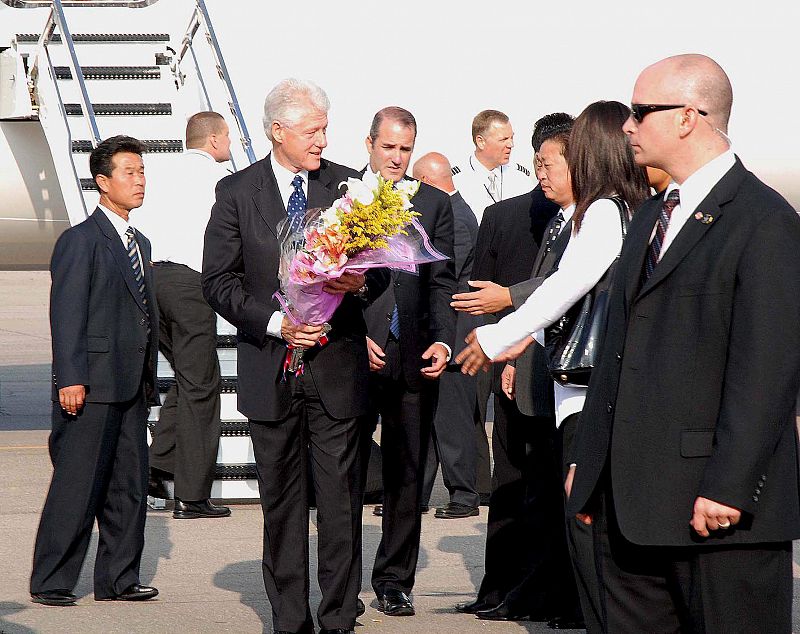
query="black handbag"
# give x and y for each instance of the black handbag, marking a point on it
(573, 342)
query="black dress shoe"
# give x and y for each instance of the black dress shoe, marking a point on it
(395, 603)
(424, 509)
(360, 608)
(566, 623)
(471, 607)
(454, 511)
(503, 612)
(156, 485)
(133, 592)
(378, 510)
(54, 597)
(203, 508)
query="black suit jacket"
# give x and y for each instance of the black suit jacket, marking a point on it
(97, 317)
(423, 300)
(510, 234)
(533, 391)
(465, 238)
(240, 275)
(699, 373)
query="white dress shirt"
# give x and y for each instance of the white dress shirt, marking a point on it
(692, 192)
(177, 231)
(121, 227)
(586, 259)
(472, 179)
(284, 178)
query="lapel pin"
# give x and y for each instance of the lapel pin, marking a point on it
(706, 219)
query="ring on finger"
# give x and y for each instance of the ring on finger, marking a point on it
(725, 525)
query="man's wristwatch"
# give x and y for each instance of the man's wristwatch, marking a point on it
(361, 293)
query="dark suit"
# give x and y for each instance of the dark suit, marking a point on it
(287, 414)
(454, 422)
(99, 324)
(405, 399)
(697, 380)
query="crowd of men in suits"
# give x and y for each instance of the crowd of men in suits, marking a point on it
(683, 472)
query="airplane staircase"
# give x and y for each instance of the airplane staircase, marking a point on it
(89, 86)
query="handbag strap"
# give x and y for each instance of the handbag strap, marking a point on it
(624, 216)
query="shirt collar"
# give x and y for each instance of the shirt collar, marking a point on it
(120, 226)
(200, 152)
(480, 168)
(695, 188)
(567, 213)
(284, 176)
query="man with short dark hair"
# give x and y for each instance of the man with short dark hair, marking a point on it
(411, 329)
(104, 325)
(186, 437)
(486, 177)
(687, 455)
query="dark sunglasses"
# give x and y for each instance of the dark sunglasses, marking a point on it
(640, 110)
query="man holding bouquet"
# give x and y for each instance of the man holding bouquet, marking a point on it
(411, 332)
(292, 412)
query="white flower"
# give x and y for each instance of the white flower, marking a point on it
(330, 217)
(360, 190)
(407, 189)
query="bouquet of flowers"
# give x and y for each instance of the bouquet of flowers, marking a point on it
(371, 225)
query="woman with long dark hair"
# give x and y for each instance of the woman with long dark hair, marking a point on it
(599, 167)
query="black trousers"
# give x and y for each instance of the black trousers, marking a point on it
(527, 564)
(282, 449)
(453, 436)
(694, 590)
(483, 388)
(186, 437)
(99, 471)
(406, 418)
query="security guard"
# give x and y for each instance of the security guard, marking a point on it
(487, 177)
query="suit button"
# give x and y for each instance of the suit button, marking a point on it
(142, 321)
(396, 284)
(761, 483)
(619, 356)
(755, 498)
(141, 348)
(609, 407)
(389, 316)
(763, 477)
(758, 491)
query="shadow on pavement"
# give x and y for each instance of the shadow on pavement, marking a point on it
(247, 574)
(11, 607)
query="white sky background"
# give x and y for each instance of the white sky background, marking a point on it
(447, 59)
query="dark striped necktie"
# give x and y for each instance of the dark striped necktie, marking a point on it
(654, 252)
(136, 266)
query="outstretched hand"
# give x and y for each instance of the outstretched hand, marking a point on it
(472, 358)
(489, 298)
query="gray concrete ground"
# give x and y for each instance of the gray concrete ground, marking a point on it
(208, 571)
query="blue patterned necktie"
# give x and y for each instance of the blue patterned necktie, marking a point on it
(394, 323)
(136, 266)
(654, 252)
(296, 208)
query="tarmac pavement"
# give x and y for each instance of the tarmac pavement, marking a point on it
(208, 571)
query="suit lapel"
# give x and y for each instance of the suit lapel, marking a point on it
(319, 188)
(114, 244)
(694, 230)
(638, 241)
(267, 197)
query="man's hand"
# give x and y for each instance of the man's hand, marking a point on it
(72, 398)
(507, 380)
(489, 298)
(300, 335)
(472, 358)
(514, 351)
(376, 355)
(438, 353)
(711, 516)
(349, 282)
(581, 517)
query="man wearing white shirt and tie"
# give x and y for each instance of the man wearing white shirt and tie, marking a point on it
(186, 437)
(486, 177)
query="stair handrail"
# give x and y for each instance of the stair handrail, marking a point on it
(33, 74)
(200, 16)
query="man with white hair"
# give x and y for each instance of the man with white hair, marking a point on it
(316, 409)
(686, 454)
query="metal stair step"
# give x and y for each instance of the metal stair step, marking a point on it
(158, 146)
(121, 109)
(88, 185)
(235, 472)
(93, 38)
(226, 341)
(227, 384)
(233, 428)
(111, 72)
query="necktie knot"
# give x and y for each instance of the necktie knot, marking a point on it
(131, 233)
(673, 200)
(297, 182)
